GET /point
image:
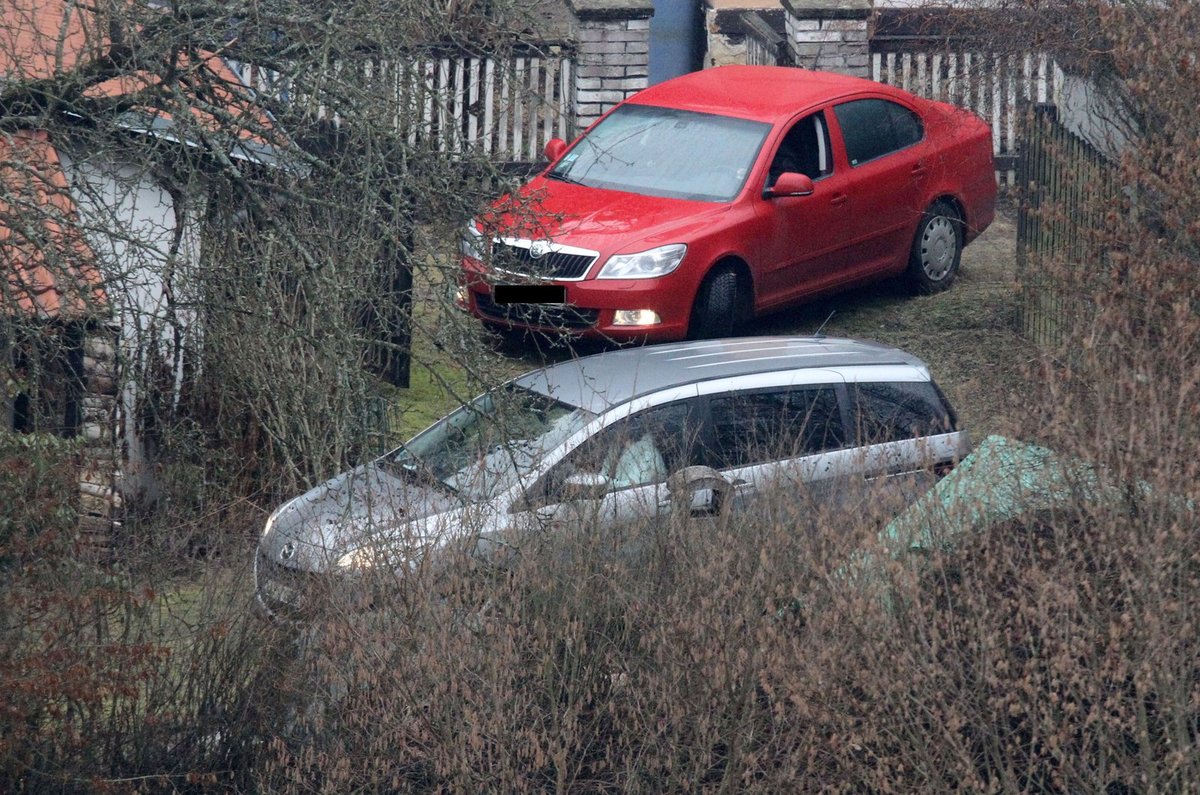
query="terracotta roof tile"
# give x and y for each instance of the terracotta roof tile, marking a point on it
(32, 31)
(48, 268)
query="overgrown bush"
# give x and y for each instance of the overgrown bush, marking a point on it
(1054, 652)
(113, 677)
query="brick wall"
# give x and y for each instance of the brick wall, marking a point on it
(830, 35)
(612, 57)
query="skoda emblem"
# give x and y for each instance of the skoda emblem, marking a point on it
(539, 249)
(288, 550)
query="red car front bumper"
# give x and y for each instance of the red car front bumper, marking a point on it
(590, 308)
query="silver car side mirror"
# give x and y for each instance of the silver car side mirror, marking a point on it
(687, 483)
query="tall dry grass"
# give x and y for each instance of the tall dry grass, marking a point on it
(1054, 652)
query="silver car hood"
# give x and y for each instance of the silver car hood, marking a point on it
(369, 502)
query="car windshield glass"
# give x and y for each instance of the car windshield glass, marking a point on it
(486, 446)
(665, 152)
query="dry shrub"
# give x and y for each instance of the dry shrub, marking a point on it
(114, 677)
(1051, 653)
(651, 657)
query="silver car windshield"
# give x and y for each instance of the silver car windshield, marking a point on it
(489, 444)
(665, 152)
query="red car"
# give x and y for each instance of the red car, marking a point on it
(723, 194)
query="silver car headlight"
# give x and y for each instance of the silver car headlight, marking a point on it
(645, 264)
(471, 242)
(270, 523)
(376, 556)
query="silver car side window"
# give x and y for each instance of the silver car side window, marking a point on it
(773, 425)
(637, 451)
(898, 411)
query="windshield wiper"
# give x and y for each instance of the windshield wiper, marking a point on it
(563, 178)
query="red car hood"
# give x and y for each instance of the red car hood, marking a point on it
(607, 221)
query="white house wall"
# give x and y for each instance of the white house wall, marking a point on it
(130, 223)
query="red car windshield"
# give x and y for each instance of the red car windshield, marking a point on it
(677, 154)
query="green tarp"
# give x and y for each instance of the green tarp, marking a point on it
(1000, 479)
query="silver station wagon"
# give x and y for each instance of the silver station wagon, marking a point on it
(624, 436)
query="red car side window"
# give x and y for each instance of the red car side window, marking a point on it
(804, 150)
(872, 128)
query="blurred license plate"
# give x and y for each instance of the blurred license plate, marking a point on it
(529, 294)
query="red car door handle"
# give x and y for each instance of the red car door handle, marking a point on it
(838, 200)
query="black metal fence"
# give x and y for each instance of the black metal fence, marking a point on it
(1065, 188)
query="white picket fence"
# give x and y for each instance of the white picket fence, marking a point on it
(996, 86)
(509, 108)
(506, 108)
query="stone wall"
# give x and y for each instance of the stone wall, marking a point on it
(612, 60)
(831, 35)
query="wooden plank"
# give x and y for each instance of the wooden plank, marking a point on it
(936, 86)
(548, 102)
(981, 95)
(952, 79)
(518, 106)
(1041, 77)
(995, 81)
(473, 106)
(489, 104)
(412, 99)
(1011, 113)
(565, 111)
(430, 89)
(968, 67)
(531, 97)
(458, 90)
(502, 127)
(397, 92)
(443, 110)
(337, 77)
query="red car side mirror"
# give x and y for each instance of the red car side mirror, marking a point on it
(554, 149)
(790, 184)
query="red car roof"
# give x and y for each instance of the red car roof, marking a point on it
(763, 93)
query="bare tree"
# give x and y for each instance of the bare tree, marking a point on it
(254, 196)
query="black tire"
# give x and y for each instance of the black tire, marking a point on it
(936, 250)
(715, 312)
